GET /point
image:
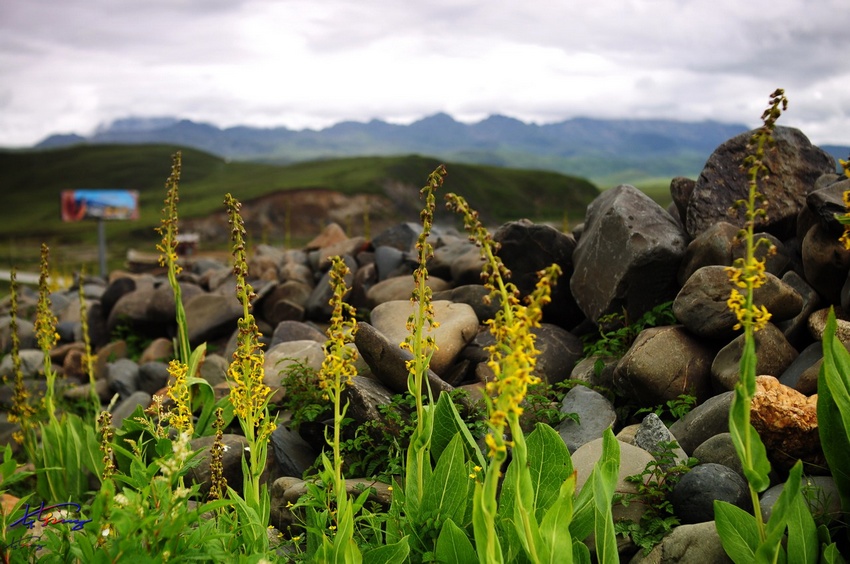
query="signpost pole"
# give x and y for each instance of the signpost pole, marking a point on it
(101, 246)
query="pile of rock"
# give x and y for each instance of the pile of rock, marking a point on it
(629, 256)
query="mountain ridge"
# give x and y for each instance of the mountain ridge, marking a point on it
(604, 150)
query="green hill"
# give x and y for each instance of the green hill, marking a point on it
(33, 180)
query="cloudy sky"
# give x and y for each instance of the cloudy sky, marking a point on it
(71, 65)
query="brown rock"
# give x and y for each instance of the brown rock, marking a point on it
(787, 422)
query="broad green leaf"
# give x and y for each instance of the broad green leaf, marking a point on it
(453, 545)
(832, 418)
(549, 465)
(447, 490)
(448, 423)
(738, 532)
(389, 554)
(802, 533)
(555, 526)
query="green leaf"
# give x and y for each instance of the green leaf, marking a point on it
(388, 554)
(555, 526)
(738, 532)
(834, 409)
(583, 516)
(447, 489)
(747, 441)
(802, 533)
(550, 466)
(770, 549)
(448, 423)
(831, 555)
(605, 478)
(453, 545)
(581, 553)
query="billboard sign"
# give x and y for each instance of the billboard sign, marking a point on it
(78, 205)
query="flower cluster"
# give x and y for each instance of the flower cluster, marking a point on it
(250, 394)
(45, 330)
(338, 365)
(45, 321)
(419, 345)
(218, 483)
(168, 227)
(21, 411)
(748, 273)
(513, 355)
(104, 426)
(181, 415)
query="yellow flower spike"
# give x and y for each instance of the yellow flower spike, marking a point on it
(45, 330)
(338, 369)
(181, 416)
(249, 394)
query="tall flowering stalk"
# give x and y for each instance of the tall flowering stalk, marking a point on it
(168, 258)
(45, 330)
(249, 394)
(746, 275)
(512, 359)
(338, 365)
(421, 345)
(22, 412)
(336, 374)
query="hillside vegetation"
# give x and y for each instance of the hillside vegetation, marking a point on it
(33, 180)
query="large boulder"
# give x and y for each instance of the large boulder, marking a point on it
(628, 256)
(527, 248)
(794, 165)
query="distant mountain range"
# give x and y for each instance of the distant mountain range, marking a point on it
(606, 151)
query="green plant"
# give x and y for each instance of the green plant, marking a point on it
(249, 395)
(617, 332)
(654, 486)
(538, 525)
(304, 398)
(671, 410)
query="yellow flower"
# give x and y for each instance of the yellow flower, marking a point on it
(181, 417)
(168, 227)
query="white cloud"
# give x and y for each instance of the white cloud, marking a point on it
(68, 66)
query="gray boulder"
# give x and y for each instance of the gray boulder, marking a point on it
(794, 163)
(628, 255)
(694, 496)
(775, 355)
(663, 363)
(595, 414)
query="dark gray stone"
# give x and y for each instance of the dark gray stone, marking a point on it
(703, 422)
(794, 163)
(628, 256)
(293, 454)
(527, 248)
(153, 376)
(123, 377)
(694, 496)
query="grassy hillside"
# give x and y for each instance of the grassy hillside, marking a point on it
(33, 180)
